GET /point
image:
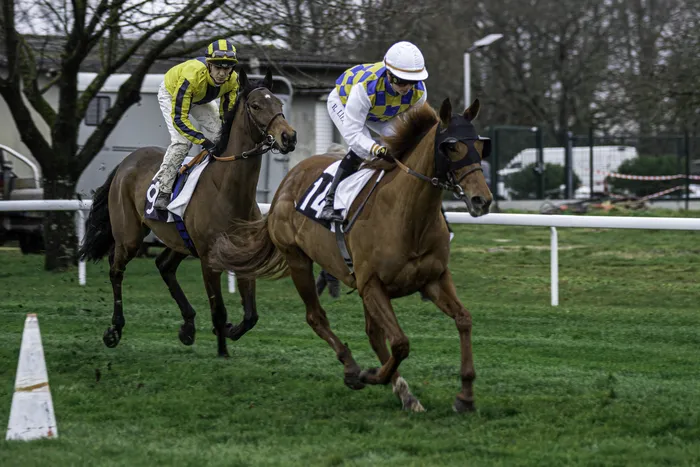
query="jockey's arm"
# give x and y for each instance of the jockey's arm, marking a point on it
(228, 100)
(356, 111)
(181, 104)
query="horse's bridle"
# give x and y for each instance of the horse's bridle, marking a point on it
(265, 144)
(445, 168)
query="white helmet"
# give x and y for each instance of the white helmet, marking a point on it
(405, 61)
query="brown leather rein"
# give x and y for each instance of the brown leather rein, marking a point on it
(266, 144)
(449, 185)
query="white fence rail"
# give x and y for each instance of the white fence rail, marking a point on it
(530, 220)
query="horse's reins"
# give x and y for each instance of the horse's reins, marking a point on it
(450, 185)
(267, 142)
(458, 129)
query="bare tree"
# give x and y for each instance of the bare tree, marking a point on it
(120, 32)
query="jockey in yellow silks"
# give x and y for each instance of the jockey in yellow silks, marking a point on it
(367, 97)
(191, 89)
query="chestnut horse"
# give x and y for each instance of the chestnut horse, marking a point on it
(225, 190)
(399, 244)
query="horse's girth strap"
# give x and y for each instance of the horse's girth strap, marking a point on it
(195, 160)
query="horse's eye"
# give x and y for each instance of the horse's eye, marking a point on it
(452, 147)
(255, 106)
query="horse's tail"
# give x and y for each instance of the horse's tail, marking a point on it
(249, 252)
(98, 234)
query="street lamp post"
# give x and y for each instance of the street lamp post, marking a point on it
(483, 42)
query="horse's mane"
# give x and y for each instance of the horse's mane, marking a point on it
(409, 130)
(230, 115)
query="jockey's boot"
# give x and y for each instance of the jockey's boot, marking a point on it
(162, 201)
(325, 279)
(333, 285)
(348, 166)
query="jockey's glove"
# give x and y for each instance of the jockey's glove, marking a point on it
(209, 146)
(379, 151)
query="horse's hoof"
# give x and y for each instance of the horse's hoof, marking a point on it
(223, 355)
(463, 406)
(369, 376)
(353, 381)
(234, 332)
(186, 333)
(411, 404)
(111, 337)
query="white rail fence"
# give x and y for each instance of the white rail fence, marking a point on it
(529, 220)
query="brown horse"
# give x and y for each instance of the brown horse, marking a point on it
(399, 244)
(226, 190)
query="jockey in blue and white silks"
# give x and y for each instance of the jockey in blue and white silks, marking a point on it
(367, 97)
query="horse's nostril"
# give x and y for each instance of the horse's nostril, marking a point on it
(478, 201)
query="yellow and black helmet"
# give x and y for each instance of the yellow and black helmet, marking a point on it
(221, 53)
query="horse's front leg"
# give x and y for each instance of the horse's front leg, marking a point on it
(444, 295)
(377, 340)
(378, 307)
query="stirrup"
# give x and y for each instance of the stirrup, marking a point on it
(328, 213)
(158, 204)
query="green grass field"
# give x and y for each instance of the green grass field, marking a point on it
(610, 377)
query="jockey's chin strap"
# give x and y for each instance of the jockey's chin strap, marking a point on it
(267, 142)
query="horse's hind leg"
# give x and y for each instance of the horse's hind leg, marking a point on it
(167, 263)
(444, 295)
(302, 272)
(246, 289)
(377, 340)
(118, 259)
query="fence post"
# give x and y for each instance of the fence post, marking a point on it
(494, 167)
(687, 170)
(554, 259)
(231, 282)
(540, 162)
(590, 160)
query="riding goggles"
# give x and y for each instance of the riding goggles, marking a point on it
(399, 81)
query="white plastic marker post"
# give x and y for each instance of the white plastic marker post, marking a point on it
(31, 415)
(231, 282)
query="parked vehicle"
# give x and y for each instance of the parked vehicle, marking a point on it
(605, 159)
(20, 180)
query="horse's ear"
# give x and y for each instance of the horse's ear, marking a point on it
(446, 112)
(473, 110)
(242, 79)
(267, 82)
